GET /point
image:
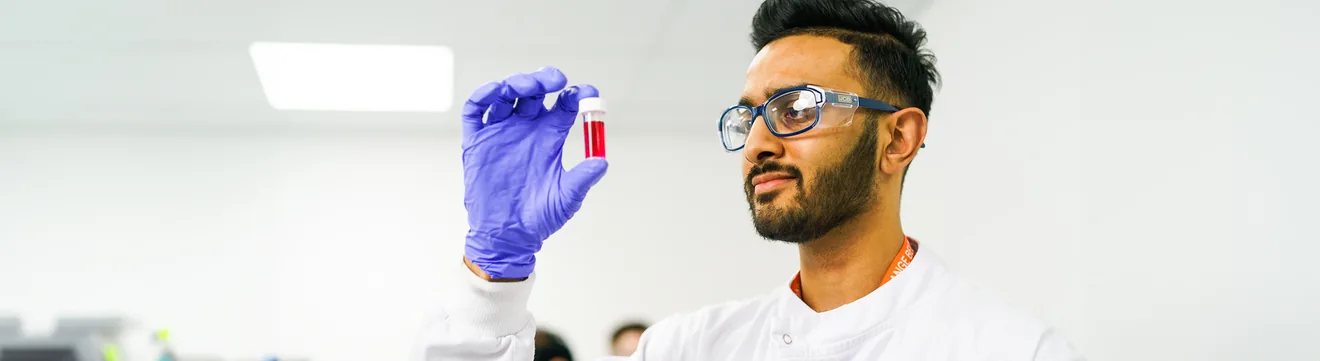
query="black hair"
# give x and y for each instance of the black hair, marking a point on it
(548, 346)
(887, 46)
(624, 328)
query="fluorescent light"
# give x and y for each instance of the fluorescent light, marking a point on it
(346, 77)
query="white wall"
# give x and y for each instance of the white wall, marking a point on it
(335, 245)
(1154, 156)
(1145, 166)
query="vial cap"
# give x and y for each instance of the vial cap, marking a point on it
(591, 104)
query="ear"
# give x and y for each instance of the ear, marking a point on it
(907, 132)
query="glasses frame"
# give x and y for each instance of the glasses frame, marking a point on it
(823, 96)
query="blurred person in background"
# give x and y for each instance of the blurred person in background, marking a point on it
(623, 341)
(550, 347)
(833, 110)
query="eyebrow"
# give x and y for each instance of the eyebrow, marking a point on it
(769, 93)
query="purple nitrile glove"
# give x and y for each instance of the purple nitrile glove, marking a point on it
(517, 192)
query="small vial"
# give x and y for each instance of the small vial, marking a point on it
(592, 113)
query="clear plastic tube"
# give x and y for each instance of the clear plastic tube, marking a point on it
(592, 113)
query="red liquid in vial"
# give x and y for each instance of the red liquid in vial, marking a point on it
(594, 134)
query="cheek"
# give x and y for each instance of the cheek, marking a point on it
(812, 155)
(806, 152)
(809, 175)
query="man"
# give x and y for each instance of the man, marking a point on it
(833, 110)
(549, 347)
(624, 340)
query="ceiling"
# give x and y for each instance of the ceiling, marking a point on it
(142, 64)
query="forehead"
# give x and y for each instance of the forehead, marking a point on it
(800, 59)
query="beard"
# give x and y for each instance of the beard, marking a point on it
(837, 194)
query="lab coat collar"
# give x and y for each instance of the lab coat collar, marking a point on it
(872, 314)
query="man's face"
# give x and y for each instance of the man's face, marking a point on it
(801, 187)
(626, 344)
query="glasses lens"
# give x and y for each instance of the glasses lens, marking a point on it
(794, 111)
(734, 126)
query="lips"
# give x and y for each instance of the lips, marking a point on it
(757, 180)
(770, 181)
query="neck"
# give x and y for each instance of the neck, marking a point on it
(849, 262)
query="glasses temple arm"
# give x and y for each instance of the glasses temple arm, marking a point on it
(878, 105)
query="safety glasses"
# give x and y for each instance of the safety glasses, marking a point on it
(794, 111)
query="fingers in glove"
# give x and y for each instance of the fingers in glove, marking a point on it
(506, 97)
(531, 101)
(578, 181)
(568, 103)
(474, 110)
(528, 95)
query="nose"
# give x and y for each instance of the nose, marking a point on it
(761, 143)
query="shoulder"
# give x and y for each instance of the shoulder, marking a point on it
(690, 335)
(965, 305)
(971, 318)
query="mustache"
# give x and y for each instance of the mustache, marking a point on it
(770, 167)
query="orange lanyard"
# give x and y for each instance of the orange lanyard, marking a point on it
(900, 262)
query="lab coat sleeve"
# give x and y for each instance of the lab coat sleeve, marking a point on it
(1053, 347)
(481, 321)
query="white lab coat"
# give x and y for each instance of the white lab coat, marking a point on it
(925, 313)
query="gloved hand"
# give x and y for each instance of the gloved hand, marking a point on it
(517, 192)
